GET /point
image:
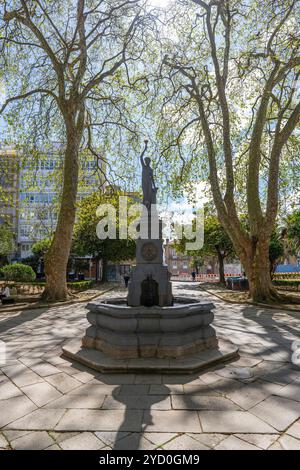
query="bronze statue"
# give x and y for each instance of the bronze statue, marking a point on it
(148, 184)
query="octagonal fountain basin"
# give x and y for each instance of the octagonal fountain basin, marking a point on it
(125, 332)
(174, 339)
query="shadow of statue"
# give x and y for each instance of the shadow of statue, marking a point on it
(132, 403)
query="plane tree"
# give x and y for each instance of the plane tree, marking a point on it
(229, 81)
(67, 67)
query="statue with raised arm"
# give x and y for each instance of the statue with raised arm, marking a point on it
(148, 184)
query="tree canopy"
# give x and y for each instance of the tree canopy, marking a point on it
(216, 243)
(230, 106)
(86, 241)
(66, 67)
(6, 240)
(212, 82)
(292, 231)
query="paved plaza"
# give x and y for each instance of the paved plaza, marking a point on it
(48, 402)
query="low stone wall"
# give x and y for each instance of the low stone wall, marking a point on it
(24, 289)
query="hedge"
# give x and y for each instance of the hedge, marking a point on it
(18, 272)
(279, 276)
(287, 282)
(80, 285)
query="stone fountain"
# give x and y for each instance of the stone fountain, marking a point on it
(150, 330)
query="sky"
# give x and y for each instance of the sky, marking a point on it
(160, 3)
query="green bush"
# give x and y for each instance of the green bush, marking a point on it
(286, 282)
(80, 285)
(18, 272)
(287, 275)
(76, 285)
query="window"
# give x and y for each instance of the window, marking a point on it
(25, 247)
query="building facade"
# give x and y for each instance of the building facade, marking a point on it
(178, 263)
(9, 193)
(30, 189)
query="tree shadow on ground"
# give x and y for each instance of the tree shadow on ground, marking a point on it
(274, 330)
(22, 317)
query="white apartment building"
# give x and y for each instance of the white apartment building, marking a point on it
(36, 185)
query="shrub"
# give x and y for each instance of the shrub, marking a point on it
(294, 275)
(76, 285)
(18, 272)
(80, 285)
(286, 282)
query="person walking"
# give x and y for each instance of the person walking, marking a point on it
(126, 279)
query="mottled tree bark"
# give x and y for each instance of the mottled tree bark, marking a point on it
(56, 260)
(221, 267)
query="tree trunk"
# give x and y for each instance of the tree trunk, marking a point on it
(221, 268)
(257, 268)
(56, 259)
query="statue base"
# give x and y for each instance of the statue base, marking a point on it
(150, 280)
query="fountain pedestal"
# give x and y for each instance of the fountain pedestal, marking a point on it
(149, 283)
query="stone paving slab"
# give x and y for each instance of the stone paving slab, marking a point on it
(111, 437)
(160, 438)
(184, 442)
(134, 441)
(264, 441)
(3, 442)
(234, 443)
(233, 422)
(208, 439)
(41, 419)
(294, 430)
(291, 391)
(21, 375)
(253, 393)
(14, 408)
(97, 420)
(8, 390)
(47, 401)
(82, 441)
(32, 441)
(77, 401)
(279, 412)
(177, 420)
(93, 389)
(289, 443)
(41, 393)
(139, 402)
(198, 402)
(63, 382)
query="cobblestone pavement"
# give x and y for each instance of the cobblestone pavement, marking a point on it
(47, 402)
